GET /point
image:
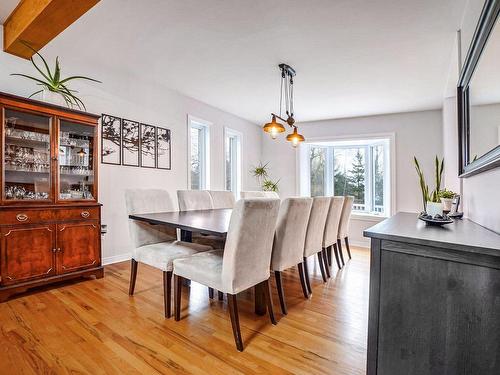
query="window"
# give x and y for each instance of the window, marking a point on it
(199, 156)
(232, 160)
(317, 167)
(360, 168)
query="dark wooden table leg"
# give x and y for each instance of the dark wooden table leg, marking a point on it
(260, 302)
(186, 236)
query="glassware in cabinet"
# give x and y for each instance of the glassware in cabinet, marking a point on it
(26, 156)
(76, 161)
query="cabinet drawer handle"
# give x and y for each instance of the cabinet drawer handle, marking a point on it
(85, 214)
(21, 217)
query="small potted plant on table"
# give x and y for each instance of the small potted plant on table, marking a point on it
(447, 199)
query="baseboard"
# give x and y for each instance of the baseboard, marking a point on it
(116, 259)
(360, 243)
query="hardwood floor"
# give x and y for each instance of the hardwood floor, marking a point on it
(94, 327)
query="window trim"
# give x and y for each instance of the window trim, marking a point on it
(232, 132)
(199, 123)
(303, 168)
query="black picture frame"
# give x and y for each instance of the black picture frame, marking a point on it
(148, 146)
(111, 137)
(467, 167)
(130, 143)
(163, 142)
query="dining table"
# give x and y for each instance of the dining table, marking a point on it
(208, 222)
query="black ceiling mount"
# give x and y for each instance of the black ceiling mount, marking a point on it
(288, 69)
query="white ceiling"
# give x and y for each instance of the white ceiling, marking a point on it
(353, 57)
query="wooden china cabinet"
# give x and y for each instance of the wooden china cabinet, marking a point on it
(50, 218)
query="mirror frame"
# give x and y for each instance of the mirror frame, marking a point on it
(487, 21)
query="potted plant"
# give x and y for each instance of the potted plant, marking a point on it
(431, 200)
(54, 88)
(260, 172)
(269, 185)
(447, 199)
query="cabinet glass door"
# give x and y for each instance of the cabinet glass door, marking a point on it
(76, 161)
(26, 156)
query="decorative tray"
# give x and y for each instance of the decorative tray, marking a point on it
(436, 220)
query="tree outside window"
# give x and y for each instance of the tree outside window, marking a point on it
(354, 170)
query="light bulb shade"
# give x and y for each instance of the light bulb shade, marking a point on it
(82, 152)
(273, 127)
(295, 137)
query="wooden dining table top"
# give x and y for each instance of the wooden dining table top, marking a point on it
(212, 221)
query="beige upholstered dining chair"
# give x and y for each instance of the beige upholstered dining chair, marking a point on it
(289, 239)
(345, 221)
(331, 231)
(155, 245)
(259, 194)
(222, 198)
(314, 236)
(190, 200)
(242, 264)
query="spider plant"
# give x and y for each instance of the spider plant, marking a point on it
(52, 80)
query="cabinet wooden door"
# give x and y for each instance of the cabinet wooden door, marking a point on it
(78, 246)
(27, 253)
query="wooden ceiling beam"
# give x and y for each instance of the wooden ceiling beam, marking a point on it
(37, 22)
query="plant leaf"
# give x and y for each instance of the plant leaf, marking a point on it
(79, 77)
(57, 72)
(39, 91)
(41, 57)
(33, 78)
(40, 70)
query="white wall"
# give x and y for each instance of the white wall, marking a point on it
(130, 97)
(479, 192)
(450, 145)
(416, 133)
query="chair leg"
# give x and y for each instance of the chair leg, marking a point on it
(303, 280)
(325, 263)
(281, 292)
(347, 247)
(329, 255)
(167, 293)
(322, 267)
(339, 248)
(235, 321)
(211, 293)
(220, 295)
(133, 276)
(336, 256)
(266, 288)
(306, 276)
(177, 296)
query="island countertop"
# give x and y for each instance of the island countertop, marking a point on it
(462, 234)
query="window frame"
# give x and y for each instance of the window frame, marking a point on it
(303, 171)
(229, 132)
(200, 124)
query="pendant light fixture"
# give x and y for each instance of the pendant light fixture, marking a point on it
(286, 96)
(81, 153)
